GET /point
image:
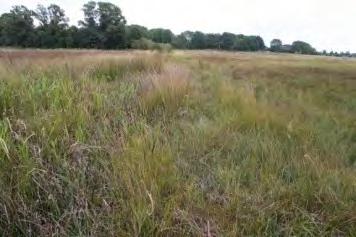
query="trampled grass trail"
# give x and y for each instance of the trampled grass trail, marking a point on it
(191, 143)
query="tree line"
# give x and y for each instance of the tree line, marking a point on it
(105, 27)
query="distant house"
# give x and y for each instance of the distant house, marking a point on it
(277, 46)
(276, 43)
(286, 48)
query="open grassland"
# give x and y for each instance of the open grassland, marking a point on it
(97, 143)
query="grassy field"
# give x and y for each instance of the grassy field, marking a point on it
(195, 143)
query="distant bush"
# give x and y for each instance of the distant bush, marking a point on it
(163, 47)
(142, 43)
(302, 48)
(147, 44)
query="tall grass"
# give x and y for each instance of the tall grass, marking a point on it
(163, 92)
(96, 143)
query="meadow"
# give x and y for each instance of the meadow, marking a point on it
(187, 143)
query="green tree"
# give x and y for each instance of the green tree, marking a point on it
(103, 26)
(255, 43)
(213, 41)
(241, 43)
(302, 48)
(90, 15)
(276, 45)
(17, 28)
(180, 42)
(160, 35)
(89, 36)
(71, 39)
(260, 43)
(136, 32)
(198, 40)
(227, 41)
(53, 25)
(111, 25)
(142, 43)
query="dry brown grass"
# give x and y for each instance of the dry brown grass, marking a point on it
(166, 90)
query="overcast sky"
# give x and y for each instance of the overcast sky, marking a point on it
(326, 24)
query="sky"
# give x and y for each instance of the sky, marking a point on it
(325, 24)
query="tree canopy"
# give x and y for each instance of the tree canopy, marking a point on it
(52, 31)
(303, 48)
(160, 35)
(17, 28)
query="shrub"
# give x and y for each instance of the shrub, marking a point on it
(142, 43)
(147, 44)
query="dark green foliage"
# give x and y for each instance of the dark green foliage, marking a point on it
(241, 43)
(111, 25)
(17, 27)
(90, 15)
(142, 43)
(198, 41)
(180, 42)
(135, 32)
(147, 44)
(104, 25)
(352, 158)
(297, 47)
(258, 43)
(303, 48)
(228, 41)
(87, 38)
(52, 32)
(276, 45)
(213, 41)
(249, 43)
(161, 35)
